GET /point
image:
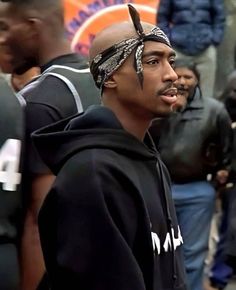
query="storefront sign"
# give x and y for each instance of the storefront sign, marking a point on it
(85, 18)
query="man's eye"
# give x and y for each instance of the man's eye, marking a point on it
(153, 61)
(172, 63)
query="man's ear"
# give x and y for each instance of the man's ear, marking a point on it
(35, 25)
(110, 83)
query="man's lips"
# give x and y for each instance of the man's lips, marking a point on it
(170, 92)
(169, 96)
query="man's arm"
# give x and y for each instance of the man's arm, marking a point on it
(32, 264)
(39, 180)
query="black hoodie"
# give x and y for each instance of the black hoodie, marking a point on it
(106, 222)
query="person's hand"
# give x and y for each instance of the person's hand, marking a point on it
(222, 176)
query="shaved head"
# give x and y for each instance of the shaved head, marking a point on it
(34, 33)
(113, 45)
(44, 9)
(37, 4)
(114, 34)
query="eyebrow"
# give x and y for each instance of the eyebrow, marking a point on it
(159, 53)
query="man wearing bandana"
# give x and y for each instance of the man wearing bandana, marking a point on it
(108, 221)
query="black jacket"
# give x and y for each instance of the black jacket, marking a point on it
(196, 141)
(105, 223)
(230, 195)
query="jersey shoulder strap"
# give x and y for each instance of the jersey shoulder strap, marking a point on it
(79, 81)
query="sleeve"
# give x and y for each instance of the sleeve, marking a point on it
(225, 134)
(87, 227)
(218, 20)
(163, 18)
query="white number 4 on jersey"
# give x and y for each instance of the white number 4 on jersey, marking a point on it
(9, 164)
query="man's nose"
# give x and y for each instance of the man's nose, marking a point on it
(181, 81)
(170, 74)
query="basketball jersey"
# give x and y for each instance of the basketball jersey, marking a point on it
(79, 82)
(11, 137)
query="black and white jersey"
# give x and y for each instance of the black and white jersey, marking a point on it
(65, 88)
(11, 138)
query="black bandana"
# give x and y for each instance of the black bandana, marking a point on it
(108, 61)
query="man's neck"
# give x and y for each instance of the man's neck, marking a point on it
(131, 122)
(52, 52)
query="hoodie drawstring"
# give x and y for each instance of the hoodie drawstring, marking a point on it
(169, 220)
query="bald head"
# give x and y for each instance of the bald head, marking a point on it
(37, 4)
(35, 33)
(51, 11)
(113, 45)
(114, 34)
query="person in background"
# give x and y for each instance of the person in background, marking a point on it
(195, 29)
(11, 143)
(32, 34)
(112, 221)
(224, 262)
(193, 143)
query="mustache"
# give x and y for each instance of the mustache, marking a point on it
(168, 86)
(181, 89)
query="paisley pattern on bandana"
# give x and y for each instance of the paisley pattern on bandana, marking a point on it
(108, 61)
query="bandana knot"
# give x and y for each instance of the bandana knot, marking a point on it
(107, 62)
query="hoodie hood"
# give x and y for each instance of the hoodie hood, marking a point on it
(97, 127)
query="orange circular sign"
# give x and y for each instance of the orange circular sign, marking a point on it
(84, 19)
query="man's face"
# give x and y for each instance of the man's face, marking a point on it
(158, 95)
(16, 44)
(186, 84)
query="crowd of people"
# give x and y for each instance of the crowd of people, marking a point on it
(110, 167)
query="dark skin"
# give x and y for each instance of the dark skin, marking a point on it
(186, 84)
(136, 107)
(31, 36)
